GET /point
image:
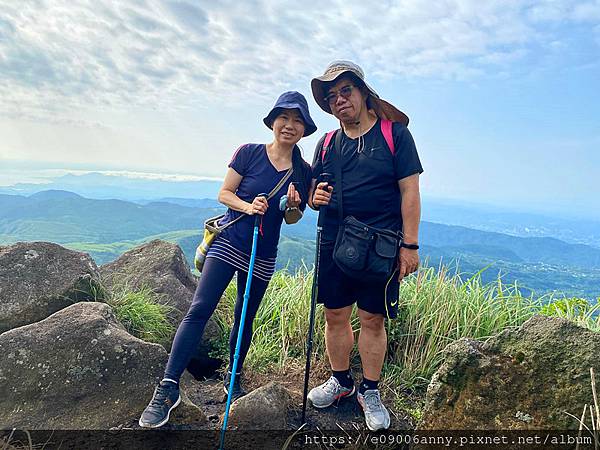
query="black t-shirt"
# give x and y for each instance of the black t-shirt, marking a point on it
(370, 178)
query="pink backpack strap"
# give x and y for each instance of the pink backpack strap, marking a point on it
(326, 143)
(386, 129)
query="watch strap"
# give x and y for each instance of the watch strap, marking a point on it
(409, 246)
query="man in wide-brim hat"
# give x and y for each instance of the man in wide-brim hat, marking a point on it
(381, 189)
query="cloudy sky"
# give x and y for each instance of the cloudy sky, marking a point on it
(503, 95)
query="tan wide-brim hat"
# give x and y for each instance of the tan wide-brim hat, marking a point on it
(335, 69)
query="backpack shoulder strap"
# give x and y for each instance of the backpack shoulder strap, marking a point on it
(328, 138)
(386, 129)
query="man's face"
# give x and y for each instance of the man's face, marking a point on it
(345, 100)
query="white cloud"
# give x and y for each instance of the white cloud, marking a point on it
(587, 12)
(61, 57)
(10, 177)
(549, 11)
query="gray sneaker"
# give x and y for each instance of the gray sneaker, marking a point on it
(328, 393)
(166, 398)
(376, 415)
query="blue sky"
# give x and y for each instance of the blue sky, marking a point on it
(503, 95)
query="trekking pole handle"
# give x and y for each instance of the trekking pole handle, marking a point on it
(325, 177)
(258, 217)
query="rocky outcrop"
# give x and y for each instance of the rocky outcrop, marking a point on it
(39, 278)
(77, 369)
(161, 266)
(266, 408)
(528, 378)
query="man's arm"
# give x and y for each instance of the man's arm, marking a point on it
(411, 216)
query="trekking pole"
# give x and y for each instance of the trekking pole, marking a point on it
(238, 344)
(313, 300)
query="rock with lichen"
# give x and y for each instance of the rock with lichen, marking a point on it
(534, 377)
(77, 369)
(39, 278)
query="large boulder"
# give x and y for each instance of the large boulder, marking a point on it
(265, 408)
(77, 369)
(161, 266)
(523, 379)
(39, 278)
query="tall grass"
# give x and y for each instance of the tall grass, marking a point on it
(436, 308)
(281, 324)
(577, 310)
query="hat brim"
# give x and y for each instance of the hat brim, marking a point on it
(383, 109)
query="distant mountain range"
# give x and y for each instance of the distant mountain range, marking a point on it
(107, 228)
(196, 193)
(103, 186)
(501, 220)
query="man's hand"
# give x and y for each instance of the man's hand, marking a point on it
(408, 262)
(322, 194)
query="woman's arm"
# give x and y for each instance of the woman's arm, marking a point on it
(228, 197)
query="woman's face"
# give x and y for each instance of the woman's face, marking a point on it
(288, 127)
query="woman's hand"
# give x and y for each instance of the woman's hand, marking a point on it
(292, 211)
(258, 206)
(322, 194)
(293, 197)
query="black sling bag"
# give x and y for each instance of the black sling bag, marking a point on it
(362, 251)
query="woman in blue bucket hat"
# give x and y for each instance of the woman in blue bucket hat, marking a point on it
(254, 169)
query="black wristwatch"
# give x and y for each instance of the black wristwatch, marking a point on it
(409, 246)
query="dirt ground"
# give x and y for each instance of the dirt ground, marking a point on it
(342, 419)
(347, 414)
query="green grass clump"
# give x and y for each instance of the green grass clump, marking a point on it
(281, 323)
(141, 314)
(577, 310)
(436, 308)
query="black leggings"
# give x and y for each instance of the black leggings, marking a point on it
(215, 277)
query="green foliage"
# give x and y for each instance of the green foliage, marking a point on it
(281, 324)
(414, 409)
(577, 310)
(107, 228)
(141, 314)
(437, 309)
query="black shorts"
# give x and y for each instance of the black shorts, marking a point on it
(337, 290)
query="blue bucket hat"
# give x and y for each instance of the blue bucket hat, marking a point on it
(292, 100)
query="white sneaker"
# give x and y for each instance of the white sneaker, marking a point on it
(328, 393)
(376, 415)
